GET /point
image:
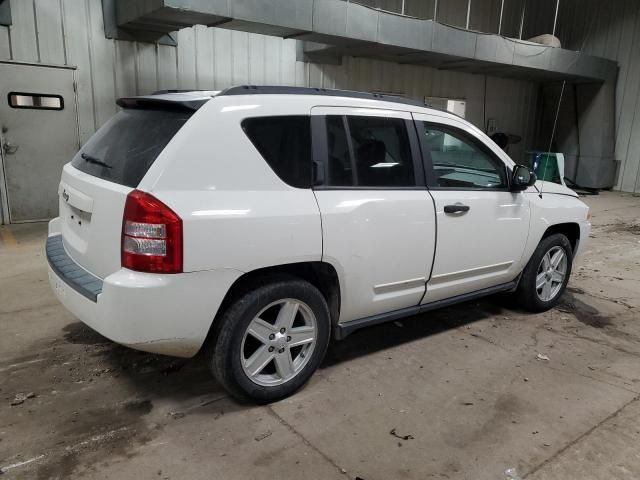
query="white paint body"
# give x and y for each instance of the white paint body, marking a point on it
(391, 248)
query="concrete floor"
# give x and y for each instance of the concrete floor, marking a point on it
(462, 385)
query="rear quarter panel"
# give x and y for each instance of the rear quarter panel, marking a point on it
(236, 211)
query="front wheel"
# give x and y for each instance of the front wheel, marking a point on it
(545, 277)
(271, 340)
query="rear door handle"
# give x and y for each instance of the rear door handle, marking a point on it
(457, 208)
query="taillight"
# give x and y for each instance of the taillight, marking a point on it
(151, 235)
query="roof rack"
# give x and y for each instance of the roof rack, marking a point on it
(325, 92)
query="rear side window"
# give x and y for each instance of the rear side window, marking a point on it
(124, 148)
(285, 143)
(369, 152)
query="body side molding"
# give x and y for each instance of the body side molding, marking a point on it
(347, 328)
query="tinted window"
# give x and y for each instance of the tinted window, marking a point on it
(374, 153)
(460, 162)
(125, 147)
(285, 143)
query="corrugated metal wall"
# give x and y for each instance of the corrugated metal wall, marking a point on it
(71, 32)
(612, 30)
(512, 103)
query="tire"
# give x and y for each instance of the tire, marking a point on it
(244, 343)
(529, 295)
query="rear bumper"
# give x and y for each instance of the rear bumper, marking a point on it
(166, 314)
(70, 272)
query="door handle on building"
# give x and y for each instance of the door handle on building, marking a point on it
(9, 148)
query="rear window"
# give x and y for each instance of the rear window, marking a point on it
(124, 148)
(285, 143)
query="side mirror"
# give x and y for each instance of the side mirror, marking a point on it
(522, 178)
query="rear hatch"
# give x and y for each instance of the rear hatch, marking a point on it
(94, 186)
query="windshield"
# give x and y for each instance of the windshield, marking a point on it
(124, 148)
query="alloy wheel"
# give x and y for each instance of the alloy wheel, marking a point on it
(278, 342)
(551, 274)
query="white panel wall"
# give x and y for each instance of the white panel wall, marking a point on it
(71, 32)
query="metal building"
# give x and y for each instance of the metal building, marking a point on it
(64, 62)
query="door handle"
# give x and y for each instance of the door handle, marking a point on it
(456, 208)
(9, 148)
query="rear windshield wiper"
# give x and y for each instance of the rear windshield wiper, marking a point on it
(88, 158)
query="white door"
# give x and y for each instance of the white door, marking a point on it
(378, 222)
(482, 226)
(39, 134)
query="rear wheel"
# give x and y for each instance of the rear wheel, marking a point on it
(545, 277)
(271, 340)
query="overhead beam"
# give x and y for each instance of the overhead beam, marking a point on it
(348, 28)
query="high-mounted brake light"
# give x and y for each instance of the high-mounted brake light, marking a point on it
(151, 235)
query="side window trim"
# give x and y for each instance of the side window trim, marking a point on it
(320, 155)
(416, 154)
(319, 150)
(352, 154)
(428, 161)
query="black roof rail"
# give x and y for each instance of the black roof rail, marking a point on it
(179, 90)
(325, 92)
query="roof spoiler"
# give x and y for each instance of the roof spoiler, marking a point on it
(152, 102)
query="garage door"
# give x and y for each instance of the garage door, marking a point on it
(39, 134)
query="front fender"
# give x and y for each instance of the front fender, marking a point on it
(555, 209)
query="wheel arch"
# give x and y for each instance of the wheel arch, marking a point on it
(571, 230)
(322, 275)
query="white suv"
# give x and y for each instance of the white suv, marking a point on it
(258, 222)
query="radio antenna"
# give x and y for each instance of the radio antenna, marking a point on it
(553, 132)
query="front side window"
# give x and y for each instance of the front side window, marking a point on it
(459, 162)
(285, 143)
(369, 152)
